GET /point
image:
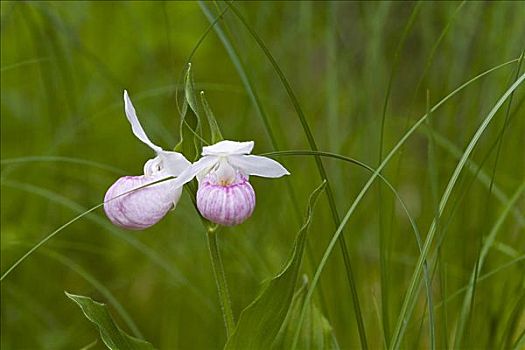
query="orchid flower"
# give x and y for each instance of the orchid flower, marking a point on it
(130, 205)
(225, 195)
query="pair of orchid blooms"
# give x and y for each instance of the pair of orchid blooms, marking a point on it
(224, 196)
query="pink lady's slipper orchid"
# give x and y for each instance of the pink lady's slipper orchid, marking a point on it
(145, 206)
(225, 195)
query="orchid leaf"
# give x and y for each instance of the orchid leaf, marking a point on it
(191, 99)
(316, 332)
(216, 134)
(182, 111)
(189, 92)
(260, 322)
(110, 333)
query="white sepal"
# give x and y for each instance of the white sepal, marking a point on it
(138, 131)
(226, 148)
(202, 165)
(258, 166)
(174, 163)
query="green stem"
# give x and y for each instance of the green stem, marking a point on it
(220, 280)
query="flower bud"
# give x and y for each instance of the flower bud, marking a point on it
(143, 207)
(226, 205)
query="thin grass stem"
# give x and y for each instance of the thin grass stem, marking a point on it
(220, 280)
(322, 172)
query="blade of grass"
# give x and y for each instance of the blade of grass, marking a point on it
(476, 169)
(220, 279)
(365, 188)
(98, 286)
(233, 53)
(177, 277)
(384, 246)
(410, 296)
(432, 165)
(443, 303)
(487, 244)
(461, 290)
(513, 322)
(321, 170)
(464, 319)
(361, 164)
(35, 159)
(428, 64)
(24, 63)
(90, 345)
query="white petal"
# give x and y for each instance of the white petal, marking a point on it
(167, 164)
(224, 148)
(174, 163)
(258, 166)
(135, 124)
(193, 170)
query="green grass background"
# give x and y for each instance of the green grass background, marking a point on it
(65, 140)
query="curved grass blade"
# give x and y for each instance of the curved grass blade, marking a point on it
(24, 63)
(34, 159)
(465, 318)
(90, 345)
(475, 168)
(410, 296)
(33, 189)
(383, 240)
(396, 194)
(190, 57)
(361, 164)
(98, 286)
(259, 322)
(253, 95)
(177, 277)
(110, 333)
(47, 238)
(321, 170)
(487, 275)
(488, 243)
(481, 278)
(365, 188)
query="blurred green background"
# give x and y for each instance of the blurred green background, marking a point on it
(65, 140)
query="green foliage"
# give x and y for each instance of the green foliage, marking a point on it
(216, 134)
(110, 333)
(260, 321)
(416, 83)
(316, 332)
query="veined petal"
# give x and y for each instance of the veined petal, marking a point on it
(193, 170)
(226, 205)
(129, 205)
(226, 147)
(258, 166)
(135, 124)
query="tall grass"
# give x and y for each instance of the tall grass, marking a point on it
(426, 97)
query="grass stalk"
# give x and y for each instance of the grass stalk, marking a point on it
(365, 188)
(384, 246)
(220, 280)
(322, 172)
(465, 319)
(410, 296)
(233, 52)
